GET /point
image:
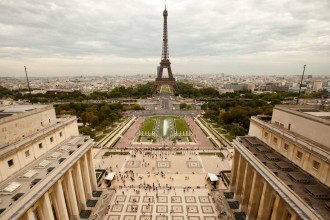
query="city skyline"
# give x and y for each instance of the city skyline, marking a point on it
(111, 38)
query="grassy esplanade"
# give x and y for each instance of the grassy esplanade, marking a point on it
(165, 89)
(181, 126)
(153, 129)
(148, 125)
(182, 130)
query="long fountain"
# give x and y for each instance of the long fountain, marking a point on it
(165, 127)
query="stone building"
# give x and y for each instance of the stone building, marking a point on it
(47, 169)
(281, 170)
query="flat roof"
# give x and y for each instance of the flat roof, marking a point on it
(20, 108)
(312, 112)
(309, 189)
(8, 112)
(325, 115)
(23, 182)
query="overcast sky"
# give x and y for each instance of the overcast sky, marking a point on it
(105, 37)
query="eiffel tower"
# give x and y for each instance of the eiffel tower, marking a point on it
(165, 64)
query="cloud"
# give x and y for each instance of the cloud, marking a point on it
(107, 35)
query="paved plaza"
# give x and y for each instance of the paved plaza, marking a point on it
(164, 204)
(162, 185)
(143, 162)
(166, 184)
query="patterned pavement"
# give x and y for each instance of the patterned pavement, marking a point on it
(173, 204)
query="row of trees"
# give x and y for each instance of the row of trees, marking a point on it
(95, 117)
(145, 90)
(189, 91)
(139, 91)
(6, 93)
(185, 106)
(234, 116)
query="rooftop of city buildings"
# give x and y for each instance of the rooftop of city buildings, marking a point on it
(310, 111)
(10, 110)
(309, 189)
(28, 184)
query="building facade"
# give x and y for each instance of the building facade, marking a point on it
(281, 170)
(301, 134)
(47, 169)
(317, 86)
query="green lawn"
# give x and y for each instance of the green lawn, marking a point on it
(106, 154)
(181, 125)
(219, 154)
(98, 138)
(228, 137)
(220, 131)
(147, 125)
(165, 89)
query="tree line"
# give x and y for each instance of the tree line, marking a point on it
(139, 91)
(186, 90)
(234, 116)
(95, 117)
(189, 91)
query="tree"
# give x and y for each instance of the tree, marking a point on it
(137, 107)
(5, 93)
(183, 105)
(87, 131)
(237, 130)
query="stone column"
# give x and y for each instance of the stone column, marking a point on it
(294, 216)
(240, 177)
(80, 187)
(72, 196)
(278, 208)
(63, 212)
(248, 178)
(47, 210)
(305, 160)
(325, 172)
(30, 215)
(266, 202)
(3, 175)
(92, 169)
(86, 178)
(290, 152)
(255, 196)
(234, 170)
